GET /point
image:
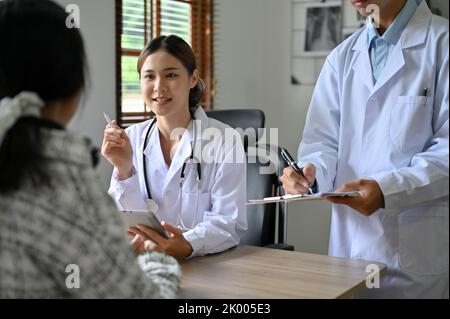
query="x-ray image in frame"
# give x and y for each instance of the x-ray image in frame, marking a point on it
(323, 29)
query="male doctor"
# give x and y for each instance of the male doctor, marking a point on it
(378, 123)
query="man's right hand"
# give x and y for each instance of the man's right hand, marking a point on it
(295, 184)
(116, 148)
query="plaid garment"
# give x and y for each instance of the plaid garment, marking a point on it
(45, 232)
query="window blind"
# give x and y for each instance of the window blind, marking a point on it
(137, 22)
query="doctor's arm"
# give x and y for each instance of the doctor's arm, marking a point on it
(320, 141)
(124, 187)
(116, 148)
(127, 193)
(426, 177)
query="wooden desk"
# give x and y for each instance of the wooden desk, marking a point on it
(255, 272)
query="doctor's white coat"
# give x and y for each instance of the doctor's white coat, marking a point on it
(215, 207)
(388, 132)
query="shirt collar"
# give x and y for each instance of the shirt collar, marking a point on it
(201, 123)
(394, 32)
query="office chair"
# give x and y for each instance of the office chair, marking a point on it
(261, 218)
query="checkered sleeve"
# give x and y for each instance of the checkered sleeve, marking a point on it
(93, 239)
(118, 272)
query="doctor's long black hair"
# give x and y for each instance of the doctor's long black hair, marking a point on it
(180, 49)
(40, 54)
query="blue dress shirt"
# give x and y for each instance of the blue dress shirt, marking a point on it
(381, 47)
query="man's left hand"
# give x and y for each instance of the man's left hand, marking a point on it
(370, 200)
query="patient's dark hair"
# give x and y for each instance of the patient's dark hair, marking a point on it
(40, 54)
(180, 49)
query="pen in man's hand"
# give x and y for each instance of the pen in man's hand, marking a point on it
(290, 161)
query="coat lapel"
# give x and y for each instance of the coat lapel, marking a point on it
(395, 63)
(181, 154)
(184, 150)
(362, 66)
(153, 153)
(414, 34)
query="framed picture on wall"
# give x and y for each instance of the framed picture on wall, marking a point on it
(323, 28)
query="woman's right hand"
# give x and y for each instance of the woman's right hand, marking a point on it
(116, 148)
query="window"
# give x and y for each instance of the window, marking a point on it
(137, 22)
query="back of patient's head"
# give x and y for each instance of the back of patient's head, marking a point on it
(38, 54)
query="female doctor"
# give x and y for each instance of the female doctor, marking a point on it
(160, 162)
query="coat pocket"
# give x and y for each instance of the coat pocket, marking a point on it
(411, 123)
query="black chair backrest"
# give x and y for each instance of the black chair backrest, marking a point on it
(243, 119)
(260, 218)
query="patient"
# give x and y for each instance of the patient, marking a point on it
(60, 235)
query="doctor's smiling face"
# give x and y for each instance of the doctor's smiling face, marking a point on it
(165, 84)
(169, 77)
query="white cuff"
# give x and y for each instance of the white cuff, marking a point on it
(196, 238)
(390, 189)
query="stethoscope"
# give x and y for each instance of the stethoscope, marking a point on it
(150, 202)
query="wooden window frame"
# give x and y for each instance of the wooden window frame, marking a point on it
(201, 42)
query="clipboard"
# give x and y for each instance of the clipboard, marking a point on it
(301, 197)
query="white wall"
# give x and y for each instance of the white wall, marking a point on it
(97, 22)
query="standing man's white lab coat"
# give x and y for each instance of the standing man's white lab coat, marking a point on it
(215, 205)
(388, 132)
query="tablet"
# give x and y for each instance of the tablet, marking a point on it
(132, 218)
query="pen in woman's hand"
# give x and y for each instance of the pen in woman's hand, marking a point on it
(108, 119)
(290, 161)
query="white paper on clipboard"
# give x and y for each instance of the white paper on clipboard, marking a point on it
(301, 197)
